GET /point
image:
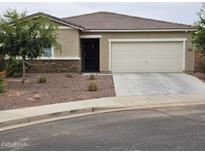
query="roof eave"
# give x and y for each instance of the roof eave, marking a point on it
(66, 23)
(143, 30)
(53, 18)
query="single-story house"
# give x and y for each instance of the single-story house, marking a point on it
(112, 42)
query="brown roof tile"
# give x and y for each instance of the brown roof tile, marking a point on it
(115, 21)
(60, 20)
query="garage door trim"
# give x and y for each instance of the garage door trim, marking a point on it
(183, 40)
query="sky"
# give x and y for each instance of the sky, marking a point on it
(183, 12)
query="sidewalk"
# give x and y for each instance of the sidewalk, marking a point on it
(27, 115)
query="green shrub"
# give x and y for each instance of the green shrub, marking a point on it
(92, 77)
(13, 68)
(1, 85)
(92, 86)
(42, 79)
(17, 74)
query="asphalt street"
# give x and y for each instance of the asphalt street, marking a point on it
(178, 128)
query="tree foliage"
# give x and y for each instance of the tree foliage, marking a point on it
(25, 37)
(199, 36)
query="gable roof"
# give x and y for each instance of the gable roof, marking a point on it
(114, 21)
(55, 19)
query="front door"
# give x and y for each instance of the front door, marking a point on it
(90, 55)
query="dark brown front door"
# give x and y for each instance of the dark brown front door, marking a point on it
(90, 55)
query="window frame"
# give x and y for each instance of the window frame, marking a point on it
(51, 57)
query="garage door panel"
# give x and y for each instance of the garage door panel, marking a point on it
(146, 57)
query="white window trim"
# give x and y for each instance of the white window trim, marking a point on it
(52, 54)
(58, 58)
(183, 40)
(90, 36)
(51, 58)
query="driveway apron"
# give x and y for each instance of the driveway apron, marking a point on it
(156, 84)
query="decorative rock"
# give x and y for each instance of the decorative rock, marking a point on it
(36, 96)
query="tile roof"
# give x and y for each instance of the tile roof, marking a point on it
(60, 20)
(115, 21)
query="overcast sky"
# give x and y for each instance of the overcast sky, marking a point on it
(177, 12)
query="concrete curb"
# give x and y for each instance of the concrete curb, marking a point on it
(12, 124)
(51, 115)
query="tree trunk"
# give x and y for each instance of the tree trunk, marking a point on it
(2, 62)
(23, 71)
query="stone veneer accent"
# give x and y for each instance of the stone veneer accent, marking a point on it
(54, 66)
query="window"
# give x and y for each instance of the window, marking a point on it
(47, 51)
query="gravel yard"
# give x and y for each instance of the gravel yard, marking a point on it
(60, 87)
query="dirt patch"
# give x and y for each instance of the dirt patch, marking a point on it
(200, 76)
(60, 87)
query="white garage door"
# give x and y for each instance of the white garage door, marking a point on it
(146, 56)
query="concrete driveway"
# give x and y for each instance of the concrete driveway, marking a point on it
(156, 84)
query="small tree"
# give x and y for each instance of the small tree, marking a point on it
(23, 37)
(199, 36)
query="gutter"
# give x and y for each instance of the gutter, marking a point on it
(145, 30)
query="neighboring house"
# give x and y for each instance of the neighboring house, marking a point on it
(111, 42)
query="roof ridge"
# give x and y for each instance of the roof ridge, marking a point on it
(54, 17)
(131, 16)
(83, 14)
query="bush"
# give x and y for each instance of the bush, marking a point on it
(199, 61)
(92, 77)
(92, 86)
(13, 68)
(42, 79)
(1, 85)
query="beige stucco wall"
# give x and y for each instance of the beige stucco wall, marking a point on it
(104, 45)
(70, 43)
